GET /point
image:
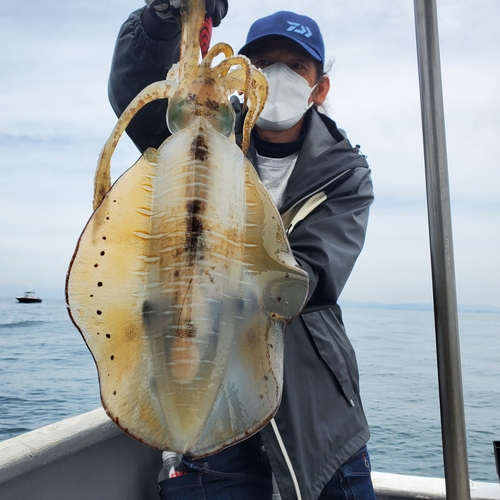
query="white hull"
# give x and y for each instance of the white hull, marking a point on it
(89, 457)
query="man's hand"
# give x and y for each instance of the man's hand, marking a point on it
(168, 9)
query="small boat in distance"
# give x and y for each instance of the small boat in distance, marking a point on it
(29, 298)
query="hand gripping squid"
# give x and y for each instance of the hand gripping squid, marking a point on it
(183, 279)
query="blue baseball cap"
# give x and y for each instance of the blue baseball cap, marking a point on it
(300, 29)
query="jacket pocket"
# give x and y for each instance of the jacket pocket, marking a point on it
(335, 349)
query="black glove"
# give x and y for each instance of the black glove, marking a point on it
(168, 9)
(216, 9)
(164, 9)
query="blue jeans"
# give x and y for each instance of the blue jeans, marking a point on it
(243, 472)
(352, 481)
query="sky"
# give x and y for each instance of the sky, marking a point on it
(55, 117)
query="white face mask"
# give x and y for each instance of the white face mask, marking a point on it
(288, 98)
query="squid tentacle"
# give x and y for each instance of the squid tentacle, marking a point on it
(192, 18)
(216, 50)
(102, 179)
(255, 90)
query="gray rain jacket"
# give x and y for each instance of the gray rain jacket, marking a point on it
(320, 422)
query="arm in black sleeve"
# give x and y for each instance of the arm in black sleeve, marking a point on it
(144, 52)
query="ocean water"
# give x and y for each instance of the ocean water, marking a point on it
(46, 370)
(47, 374)
(396, 351)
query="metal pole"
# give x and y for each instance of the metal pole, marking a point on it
(443, 274)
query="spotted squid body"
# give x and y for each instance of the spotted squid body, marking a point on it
(183, 280)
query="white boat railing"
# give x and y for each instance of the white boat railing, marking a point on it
(80, 458)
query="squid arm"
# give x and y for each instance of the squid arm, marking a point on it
(154, 91)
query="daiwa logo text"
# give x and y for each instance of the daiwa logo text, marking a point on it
(299, 28)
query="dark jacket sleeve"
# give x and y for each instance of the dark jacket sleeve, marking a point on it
(138, 60)
(327, 243)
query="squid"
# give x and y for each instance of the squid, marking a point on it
(183, 280)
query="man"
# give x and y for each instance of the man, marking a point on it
(316, 445)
